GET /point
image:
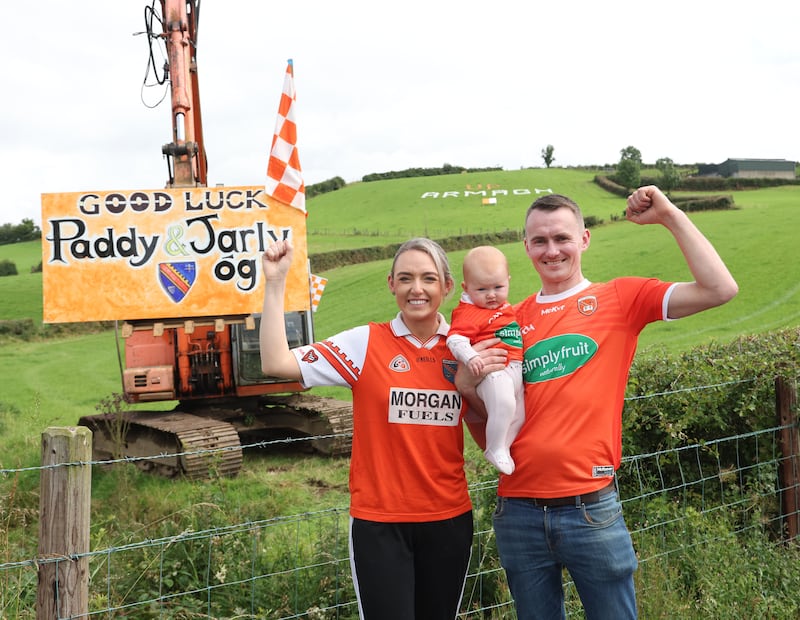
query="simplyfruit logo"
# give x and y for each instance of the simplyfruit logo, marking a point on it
(557, 357)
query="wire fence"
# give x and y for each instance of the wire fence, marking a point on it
(676, 502)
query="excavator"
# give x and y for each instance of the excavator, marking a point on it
(208, 363)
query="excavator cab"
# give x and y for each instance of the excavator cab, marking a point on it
(199, 359)
(246, 354)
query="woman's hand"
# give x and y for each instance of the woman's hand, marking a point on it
(276, 359)
(276, 260)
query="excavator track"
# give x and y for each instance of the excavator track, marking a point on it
(168, 443)
(206, 440)
(325, 422)
(333, 419)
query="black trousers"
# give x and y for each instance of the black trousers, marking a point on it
(410, 571)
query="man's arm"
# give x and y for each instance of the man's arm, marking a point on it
(713, 284)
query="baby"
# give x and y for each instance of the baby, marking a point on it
(483, 313)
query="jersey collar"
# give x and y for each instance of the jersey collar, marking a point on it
(549, 299)
(401, 329)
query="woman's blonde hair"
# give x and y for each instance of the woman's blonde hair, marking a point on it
(437, 254)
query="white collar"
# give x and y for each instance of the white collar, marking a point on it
(549, 299)
(399, 328)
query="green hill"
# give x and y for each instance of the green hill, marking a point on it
(57, 381)
(756, 240)
(390, 211)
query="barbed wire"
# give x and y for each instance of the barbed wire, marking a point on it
(170, 455)
(696, 471)
(689, 389)
(692, 465)
(291, 440)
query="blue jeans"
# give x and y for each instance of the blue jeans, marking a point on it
(591, 541)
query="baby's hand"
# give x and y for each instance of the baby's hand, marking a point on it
(475, 366)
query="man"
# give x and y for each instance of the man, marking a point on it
(559, 508)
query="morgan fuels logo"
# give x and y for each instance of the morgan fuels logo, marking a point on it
(424, 407)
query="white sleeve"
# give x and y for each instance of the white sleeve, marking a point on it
(665, 304)
(460, 347)
(337, 360)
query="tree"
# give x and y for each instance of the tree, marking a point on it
(629, 168)
(547, 155)
(631, 152)
(670, 175)
(26, 231)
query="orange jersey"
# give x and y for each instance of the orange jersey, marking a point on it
(477, 324)
(578, 350)
(407, 463)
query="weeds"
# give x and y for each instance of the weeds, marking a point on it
(117, 423)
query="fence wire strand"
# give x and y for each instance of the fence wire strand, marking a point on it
(274, 567)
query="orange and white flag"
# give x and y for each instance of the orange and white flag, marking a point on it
(316, 285)
(284, 177)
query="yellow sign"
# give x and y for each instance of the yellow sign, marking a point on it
(165, 253)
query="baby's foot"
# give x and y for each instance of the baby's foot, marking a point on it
(501, 460)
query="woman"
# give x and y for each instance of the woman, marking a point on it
(410, 511)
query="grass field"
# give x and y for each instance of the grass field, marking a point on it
(390, 211)
(53, 382)
(57, 381)
(756, 241)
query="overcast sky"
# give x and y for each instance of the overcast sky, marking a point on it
(386, 86)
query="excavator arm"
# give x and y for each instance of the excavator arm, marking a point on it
(186, 157)
(210, 365)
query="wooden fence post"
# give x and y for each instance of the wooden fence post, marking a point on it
(786, 407)
(64, 504)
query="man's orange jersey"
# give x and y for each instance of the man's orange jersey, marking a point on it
(578, 348)
(407, 463)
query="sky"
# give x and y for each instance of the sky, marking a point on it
(389, 86)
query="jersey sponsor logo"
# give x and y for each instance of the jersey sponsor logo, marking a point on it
(587, 305)
(557, 357)
(399, 364)
(424, 407)
(310, 357)
(602, 471)
(511, 335)
(552, 309)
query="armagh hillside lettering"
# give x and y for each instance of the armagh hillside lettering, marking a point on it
(481, 192)
(488, 192)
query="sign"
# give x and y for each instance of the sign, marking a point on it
(165, 253)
